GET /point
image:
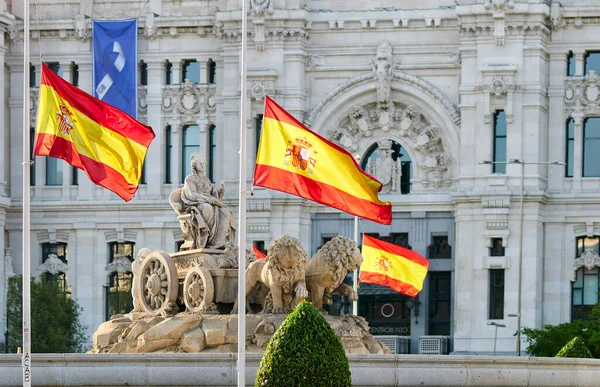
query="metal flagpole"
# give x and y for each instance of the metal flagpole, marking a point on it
(241, 363)
(26, 359)
(355, 276)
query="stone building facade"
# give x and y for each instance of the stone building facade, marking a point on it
(422, 92)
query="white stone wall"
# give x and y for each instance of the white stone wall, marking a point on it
(456, 61)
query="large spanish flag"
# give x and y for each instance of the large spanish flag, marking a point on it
(91, 135)
(390, 265)
(293, 159)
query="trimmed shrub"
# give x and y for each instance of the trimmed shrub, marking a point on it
(575, 348)
(304, 352)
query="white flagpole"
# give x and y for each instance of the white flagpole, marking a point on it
(355, 276)
(26, 359)
(241, 363)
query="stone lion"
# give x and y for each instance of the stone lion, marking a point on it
(281, 275)
(327, 269)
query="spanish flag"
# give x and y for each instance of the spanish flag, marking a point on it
(259, 254)
(293, 159)
(390, 265)
(91, 135)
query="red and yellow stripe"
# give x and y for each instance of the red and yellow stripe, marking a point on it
(109, 145)
(335, 180)
(390, 265)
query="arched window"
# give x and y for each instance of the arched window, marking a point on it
(390, 164)
(587, 285)
(118, 291)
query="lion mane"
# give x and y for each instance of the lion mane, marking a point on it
(328, 268)
(284, 246)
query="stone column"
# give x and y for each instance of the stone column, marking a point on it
(15, 104)
(578, 151)
(203, 70)
(579, 62)
(155, 158)
(3, 129)
(86, 187)
(87, 274)
(177, 73)
(176, 153)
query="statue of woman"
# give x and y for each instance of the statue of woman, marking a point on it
(213, 223)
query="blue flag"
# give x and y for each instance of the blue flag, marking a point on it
(115, 63)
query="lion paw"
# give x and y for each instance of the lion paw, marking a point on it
(354, 296)
(279, 310)
(301, 292)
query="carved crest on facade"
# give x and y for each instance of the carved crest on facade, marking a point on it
(258, 90)
(79, 26)
(582, 94)
(499, 5)
(589, 260)
(189, 101)
(261, 7)
(53, 265)
(120, 264)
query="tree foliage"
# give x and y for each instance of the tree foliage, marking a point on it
(575, 348)
(304, 352)
(55, 326)
(549, 340)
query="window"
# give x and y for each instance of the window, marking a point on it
(169, 73)
(55, 66)
(570, 147)
(191, 145)
(259, 123)
(118, 291)
(211, 68)
(60, 250)
(591, 144)
(168, 150)
(439, 303)
(570, 64)
(497, 249)
(592, 62)
(439, 247)
(212, 149)
(74, 176)
(370, 164)
(32, 166)
(75, 74)
(191, 71)
(32, 76)
(587, 284)
(260, 245)
(499, 142)
(143, 73)
(54, 171)
(496, 294)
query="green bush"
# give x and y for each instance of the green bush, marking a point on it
(55, 326)
(304, 352)
(575, 348)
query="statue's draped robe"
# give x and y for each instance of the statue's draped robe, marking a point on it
(213, 224)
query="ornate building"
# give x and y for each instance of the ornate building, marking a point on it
(422, 93)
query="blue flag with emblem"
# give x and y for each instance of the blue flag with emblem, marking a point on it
(115, 63)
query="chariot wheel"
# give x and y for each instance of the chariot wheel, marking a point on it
(157, 284)
(198, 289)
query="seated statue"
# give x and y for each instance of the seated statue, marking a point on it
(205, 220)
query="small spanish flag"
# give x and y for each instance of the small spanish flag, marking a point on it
(91, 135)
(293, 159)
(387, 264)
(259, 254)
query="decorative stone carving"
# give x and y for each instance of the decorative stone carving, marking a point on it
(142, 103)
(383, 71)
(189, 100)
(312, 61)
(423, 138)
(456, 57)
(582, 94)
(495, 203)
(120, 264)
(259, 89)
(557, 21)
(261, 8)
(205, 221)
(8, 267)
(34, 94)
(499, 5)
(80, 29)
(385, 169)
(589, 259)
(499, 86)
(150, 29)
(53, 265)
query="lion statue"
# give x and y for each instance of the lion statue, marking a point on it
(281, 275)
(327, 269)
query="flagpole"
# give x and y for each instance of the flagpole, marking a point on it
(355, 276)
(241, 363)
(26, 359)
